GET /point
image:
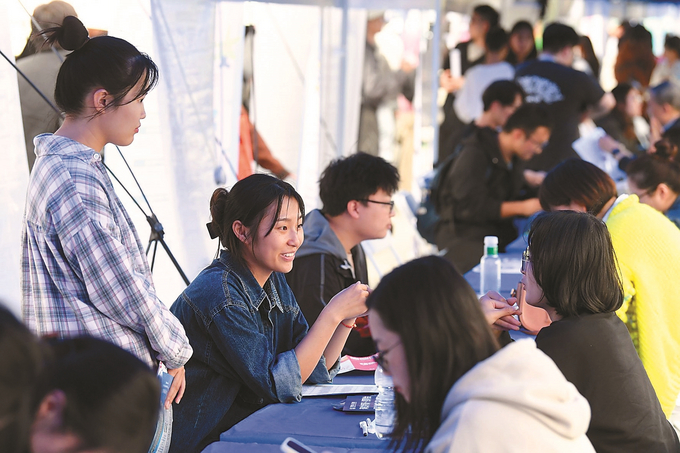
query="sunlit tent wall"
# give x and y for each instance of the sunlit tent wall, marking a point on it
(307, 60)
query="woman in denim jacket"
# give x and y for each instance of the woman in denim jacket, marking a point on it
(252, 345)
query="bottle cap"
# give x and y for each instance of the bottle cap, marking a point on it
(490, 241)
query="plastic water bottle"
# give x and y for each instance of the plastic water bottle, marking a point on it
(490, 266)
(384, 404)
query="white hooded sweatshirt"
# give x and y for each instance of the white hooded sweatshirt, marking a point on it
(517, 400)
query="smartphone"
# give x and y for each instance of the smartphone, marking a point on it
(291, 445)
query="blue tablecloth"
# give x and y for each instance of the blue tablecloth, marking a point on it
(313, 422)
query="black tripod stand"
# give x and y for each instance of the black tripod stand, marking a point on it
(157, 231)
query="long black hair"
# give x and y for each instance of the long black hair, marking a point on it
(444, 333)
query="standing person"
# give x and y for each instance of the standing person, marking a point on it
(453, 386)
(521, 44)
(669, 67)
(635, 61)
(483, 19)
(252, 342)
(356, 193)
(585, 59)
(647, 247)
(570, 271)
(483, 190)
(565, 92)
(41, 63)
(468, 103)
(379, 84)
(84, 271)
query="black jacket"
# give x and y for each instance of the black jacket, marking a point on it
(472, 193)
(321, 270)
(596, 354)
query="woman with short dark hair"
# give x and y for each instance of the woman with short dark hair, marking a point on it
(453, 386)
(570, 271)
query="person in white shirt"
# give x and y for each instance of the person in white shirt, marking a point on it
(468, 104)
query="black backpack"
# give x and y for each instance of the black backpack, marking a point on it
(427, 215)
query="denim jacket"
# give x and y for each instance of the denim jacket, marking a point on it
(243, 337)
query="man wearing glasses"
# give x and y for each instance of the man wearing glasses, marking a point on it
(356, 194)
(486, 186)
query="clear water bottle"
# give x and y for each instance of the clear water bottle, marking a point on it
(490, 266)
(384, 404)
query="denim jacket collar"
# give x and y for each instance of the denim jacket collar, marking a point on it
(256, 293)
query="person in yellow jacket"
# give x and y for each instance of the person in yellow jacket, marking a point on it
(647, 247)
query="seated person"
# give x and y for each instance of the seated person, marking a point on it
(619, 123)
(251, 339)
(499, 100)
(647, 247)
(94, 396)
(483, 190)
(655, 178)
(453, 386)
(570, 271)
(22, 359)
(356, 193)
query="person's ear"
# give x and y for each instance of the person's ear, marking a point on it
(241, 231)
(518, 134)
(353, 208)
(100, 99)
(51, 409)
(663, 191)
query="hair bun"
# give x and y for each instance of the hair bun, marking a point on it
(72, 33)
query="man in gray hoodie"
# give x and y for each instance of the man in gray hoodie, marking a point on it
(356, 193)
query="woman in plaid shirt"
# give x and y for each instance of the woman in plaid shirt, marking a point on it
(84, 271)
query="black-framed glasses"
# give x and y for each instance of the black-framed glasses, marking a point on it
(386, 203)
(526, 259)
(380, 356)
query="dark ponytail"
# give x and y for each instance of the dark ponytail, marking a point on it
(248, 202)
(101, 62)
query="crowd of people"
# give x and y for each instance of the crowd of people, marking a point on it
(287, 293)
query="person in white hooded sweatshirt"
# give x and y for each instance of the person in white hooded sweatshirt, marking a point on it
(456, 391)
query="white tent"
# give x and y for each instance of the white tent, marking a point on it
(307, 58)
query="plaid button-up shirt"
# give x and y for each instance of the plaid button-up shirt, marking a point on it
(84, 271)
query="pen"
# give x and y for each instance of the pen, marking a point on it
(364, 427)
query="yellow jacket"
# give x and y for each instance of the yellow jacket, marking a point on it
(647, 246)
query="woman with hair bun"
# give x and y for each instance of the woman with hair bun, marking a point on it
(251, 339)
(655, 178)
(84, 271)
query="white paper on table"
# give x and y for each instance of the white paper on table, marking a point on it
(588, 148)
(454, 63)
(337, 389)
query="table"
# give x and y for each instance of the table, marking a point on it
(312, 421)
